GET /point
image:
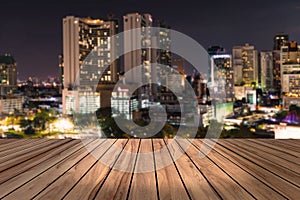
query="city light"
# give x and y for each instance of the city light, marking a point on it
(63, 124)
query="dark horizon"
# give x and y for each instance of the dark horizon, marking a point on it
(32, 31)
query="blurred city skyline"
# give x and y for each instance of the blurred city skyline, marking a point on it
(32, 31)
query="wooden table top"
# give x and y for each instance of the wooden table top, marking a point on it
(103, 169)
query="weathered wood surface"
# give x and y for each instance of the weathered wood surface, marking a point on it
(149, 169)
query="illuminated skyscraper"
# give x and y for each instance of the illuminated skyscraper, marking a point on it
(140, 40)
(266, 64)
(245, 65)
(221, 68)
(164, 39)
(290, 68)
(290, 74)
(8, 74)
(279, 41)
(80, 37)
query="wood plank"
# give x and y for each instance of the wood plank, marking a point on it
(87, 187)
(29, 183)
(18, 169)
(278, 184)
(290, 175)
(223, 184)
(235, 169)
(32, 146)
(285, 144)
(7, 141)
(270, 144)
(227, 177)
(15, 143)
(144, 181)
(74, 174)
(24, 155)
(117, 184)
(169, 182)
(271, 154)
(292, 142)
(194, 180)
(19, 148)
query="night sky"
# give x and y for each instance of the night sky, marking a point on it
(32, 30)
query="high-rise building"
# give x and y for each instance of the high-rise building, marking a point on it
(199, 85)
(141, 41)
(237, 63)
(10, 104)
(266, 65)
(221, 68)
(123, 104)
(290, 74)
(245, 65)
(279, 41)
(164, 56)
(290, 68)
(8, 74)
(80, 37)
(142, 38)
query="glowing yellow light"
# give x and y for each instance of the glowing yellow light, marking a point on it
(63, 124)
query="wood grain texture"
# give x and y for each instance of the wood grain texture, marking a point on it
(87, 187)
(12, 143)
(73, 174)
(231, 180)
(117, 184)
(23, 167)
(222, 182)
(282, 159)
(38, 178)
(18, 157)
(263, 174)
(275, 149)
(18, 147)
(198, 186)
(169, 182)
(144, 182)
(287, 144)
(109, 169)
(286, 173)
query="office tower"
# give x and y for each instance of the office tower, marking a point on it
(140, 40)
(279, 41)
(237, 63)
(266, 65)
(290, 65)
(164, 56)
(290, 74)
(221, 69)
(80, 37)
(123, 104)
(11, 104)
(8, 74)
(199, 84)
(245, 65)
